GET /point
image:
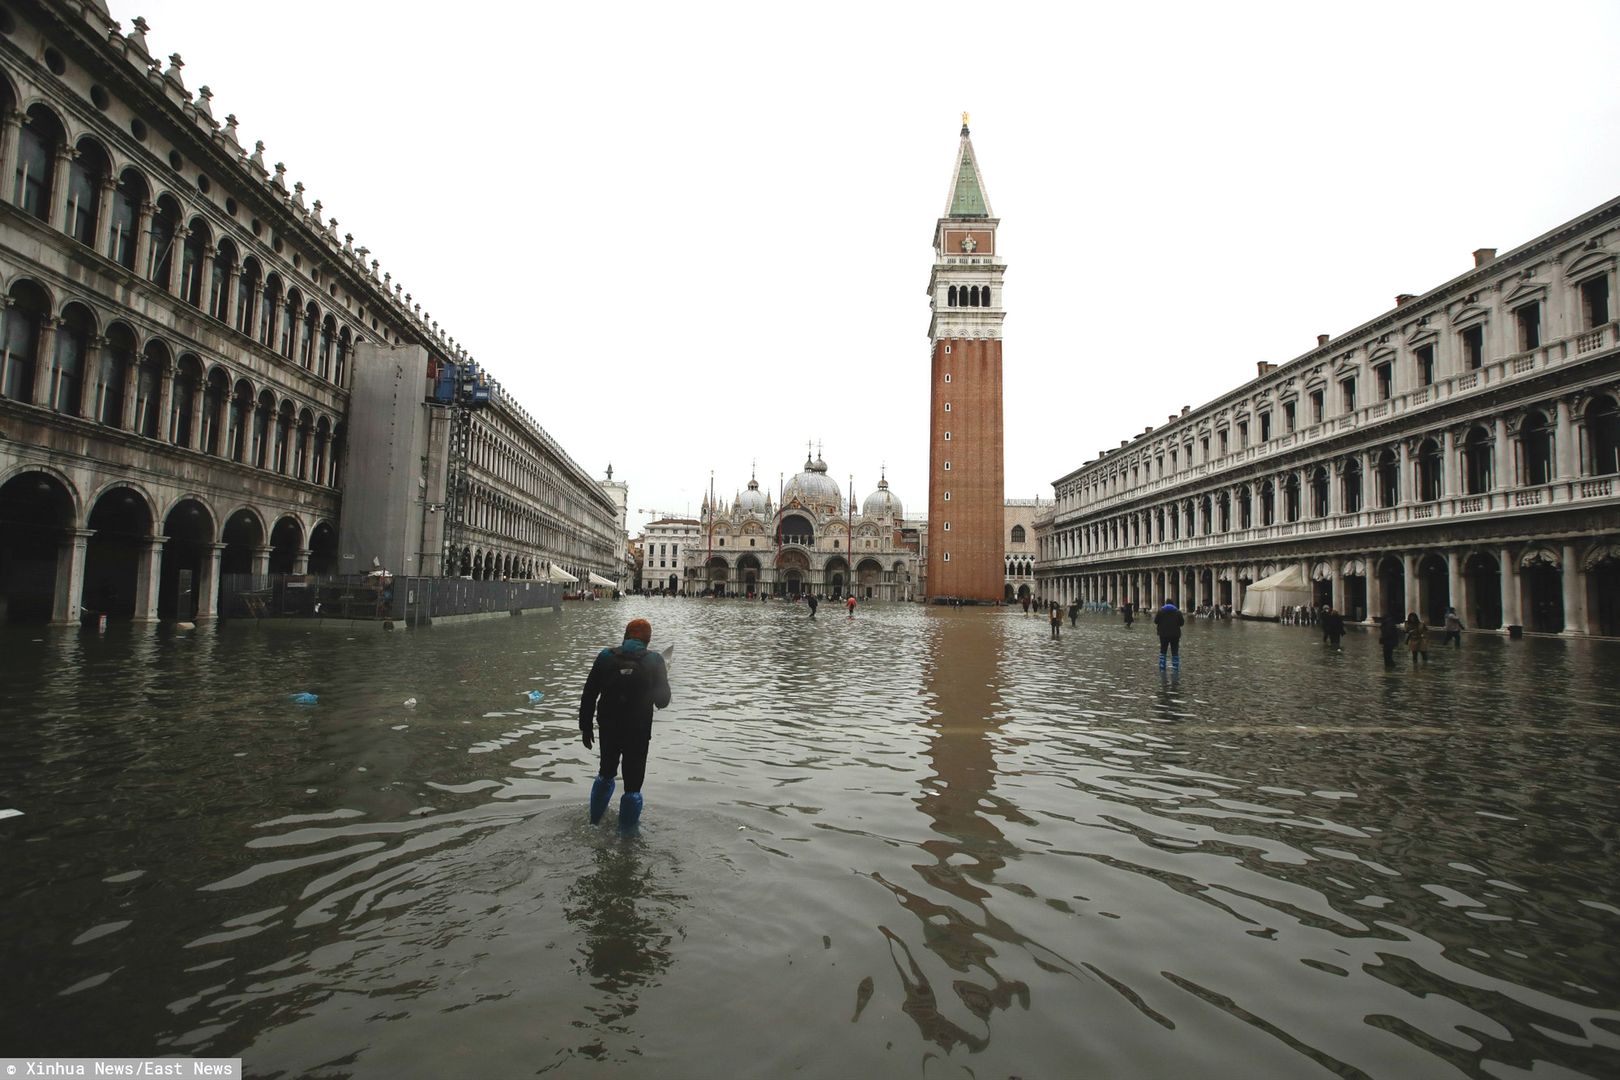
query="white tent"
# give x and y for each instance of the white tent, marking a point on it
(1266, 598)
(600, 582)
(561, 576)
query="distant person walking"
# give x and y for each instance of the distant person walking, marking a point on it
(1074, 613)
(1056, 619)
(1454, 628)
(850, 605)
(1168, 621)
(1025, 601)
(1128, 609)
(1417, 638)
(623, 688)
(813, 603)
(1332, 628)
(1389, 636)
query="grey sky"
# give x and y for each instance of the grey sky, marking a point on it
(688, 236)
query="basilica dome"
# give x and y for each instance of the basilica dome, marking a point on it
(882, 502)
(813, 487)
(752, 501)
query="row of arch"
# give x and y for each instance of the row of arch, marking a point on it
(111, 208)
(1546, 586)
(1311, 492)
(74, 364)
(121, 551)
(968, 296)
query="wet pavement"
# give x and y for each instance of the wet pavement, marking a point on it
(926, 842)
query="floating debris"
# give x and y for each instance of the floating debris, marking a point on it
(303, 697)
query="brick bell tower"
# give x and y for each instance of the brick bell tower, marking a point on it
(966, 495)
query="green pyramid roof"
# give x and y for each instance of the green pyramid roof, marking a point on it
(968, 198)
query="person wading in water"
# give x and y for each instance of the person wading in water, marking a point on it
(623, 688)
(1168, 621)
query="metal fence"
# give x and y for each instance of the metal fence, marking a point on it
(411, 600)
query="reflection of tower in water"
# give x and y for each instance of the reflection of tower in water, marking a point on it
(961, 677)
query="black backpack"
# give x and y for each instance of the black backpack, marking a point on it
(628, 683)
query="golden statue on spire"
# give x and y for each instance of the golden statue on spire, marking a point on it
(964, 119)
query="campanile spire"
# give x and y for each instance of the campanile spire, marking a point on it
(966, 488)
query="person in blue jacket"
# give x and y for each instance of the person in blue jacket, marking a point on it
(624, 687)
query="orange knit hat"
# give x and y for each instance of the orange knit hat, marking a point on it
(640, 629)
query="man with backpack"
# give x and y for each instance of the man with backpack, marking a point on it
(623, 688)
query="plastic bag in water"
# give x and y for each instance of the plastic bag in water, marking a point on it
(534, 696)
(303, 697)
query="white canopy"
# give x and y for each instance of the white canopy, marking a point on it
(1266, 598)
(558, 574)
(600, 581)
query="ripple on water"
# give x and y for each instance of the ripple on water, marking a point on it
(931, 833)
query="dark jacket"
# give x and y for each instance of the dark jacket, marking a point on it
(1333, 625)
(1169, 622)
(632, 718)
(1389, 632)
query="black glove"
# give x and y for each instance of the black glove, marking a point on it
(585, 737)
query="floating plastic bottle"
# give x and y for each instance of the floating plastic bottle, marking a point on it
(534, 696)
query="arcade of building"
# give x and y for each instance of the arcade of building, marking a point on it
(179, 343)
(1460, 450)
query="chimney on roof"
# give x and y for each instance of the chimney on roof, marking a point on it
(1484, 255)
(1185, 409)
(1321, 340)
(1148, 430)
(1402, 299)
(1170, 419)
(1262, 369)
(1124, 442)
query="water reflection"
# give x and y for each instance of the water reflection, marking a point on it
(628, 916)
(962, 657)
(1016, 856)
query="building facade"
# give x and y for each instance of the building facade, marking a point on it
(965, 481)
(181, 336)
(814, 541)
(1019, 536)
(1460, 450)
(663, 543)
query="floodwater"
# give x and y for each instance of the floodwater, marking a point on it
(915, 842)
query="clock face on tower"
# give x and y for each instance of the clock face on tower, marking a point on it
(969, 244)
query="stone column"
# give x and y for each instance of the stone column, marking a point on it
(143, 240)
(45, 360)
(205, 287)
(109, 184)
(69, 577)
(208, 583)
(1375, 589)
(1454, 583)
(1574, 592)
(261, 561)
(177, 265)
(1502, 472)
(1451, 472)
(88, 375)
(126, 408)
(10, 136)
(1566, 454)
(57, 213)
(165, 402)
(1510, 591)
(194, 442)
(1338, 585)
(1405, 482)
(148, 575)
(1409, 563)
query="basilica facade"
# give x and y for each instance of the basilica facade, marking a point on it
(811, 539)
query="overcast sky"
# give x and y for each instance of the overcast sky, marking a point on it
(688, 236)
